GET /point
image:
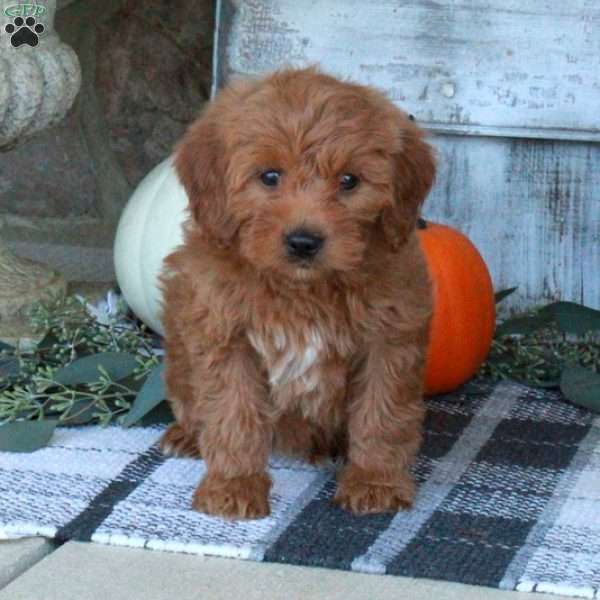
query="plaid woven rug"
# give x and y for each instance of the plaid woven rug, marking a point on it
(509, 497)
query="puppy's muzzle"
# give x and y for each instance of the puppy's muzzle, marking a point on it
(302, 244)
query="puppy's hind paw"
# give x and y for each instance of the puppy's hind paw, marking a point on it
(176, 442)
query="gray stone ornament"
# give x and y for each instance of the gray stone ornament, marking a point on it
(40, 76)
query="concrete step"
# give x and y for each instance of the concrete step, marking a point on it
(16, 556)
(85, 571)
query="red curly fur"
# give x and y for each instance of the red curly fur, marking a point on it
(315, 360)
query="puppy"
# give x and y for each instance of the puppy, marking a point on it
(296, 312)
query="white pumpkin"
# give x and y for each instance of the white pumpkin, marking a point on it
(150, 228)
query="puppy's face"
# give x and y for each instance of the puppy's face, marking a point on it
(300, 174)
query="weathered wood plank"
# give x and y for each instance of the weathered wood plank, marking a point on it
(532, 207)
(529, 68)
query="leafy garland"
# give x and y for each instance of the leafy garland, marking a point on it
(89, 367)
(94, 366)
(557, 346)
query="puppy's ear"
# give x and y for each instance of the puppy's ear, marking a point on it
(414, 173)
(200, 162)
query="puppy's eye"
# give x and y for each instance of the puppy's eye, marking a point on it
(348, 181)
(270, 178)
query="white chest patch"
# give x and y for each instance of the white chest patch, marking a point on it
(290, 360)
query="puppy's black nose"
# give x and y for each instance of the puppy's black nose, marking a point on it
(303, 244)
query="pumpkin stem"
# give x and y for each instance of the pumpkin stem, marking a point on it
(421, 223)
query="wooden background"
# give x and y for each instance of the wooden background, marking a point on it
(510, 91)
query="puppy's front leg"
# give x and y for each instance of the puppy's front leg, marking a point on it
(236, 434)
(386, 412)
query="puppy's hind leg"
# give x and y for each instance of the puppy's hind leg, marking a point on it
(177, 442)
(181, 437)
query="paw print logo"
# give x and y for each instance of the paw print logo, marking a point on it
(24, 31)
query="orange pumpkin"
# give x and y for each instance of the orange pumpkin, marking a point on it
(464, 314)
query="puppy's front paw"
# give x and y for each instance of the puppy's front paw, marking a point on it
(235, 498)
(175, 442)
(362, 492)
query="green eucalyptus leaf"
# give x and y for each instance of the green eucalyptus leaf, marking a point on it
(25, 436)
(581, 386)
(150, 395)
(48, 341)
(132, 382)
(87, 369)
(572, 318)
(80, 413)
(549, 385)
(9, 365)
(161, 414)
(523, 325)
(499, 296)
